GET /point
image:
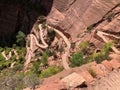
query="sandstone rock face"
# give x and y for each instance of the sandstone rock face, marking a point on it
(73, 80)
(74, 16)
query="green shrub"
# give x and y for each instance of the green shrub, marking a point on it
(10, 80)
(83, 46)
(89, 28)
(92, 72)
(36, 67)
(1, 57)
(76, 60)
(72, 45)
(51, 33)
(44, 58)
(1, 49)
(44, 25)
(41, 19)
(109, 16)
(20, 38)
(36, 26)
(7, 50)
(102, 55)
(107, 47)
(31, 80)
(18, 67)
(49, 72)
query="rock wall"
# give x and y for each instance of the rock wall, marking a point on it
(74, 16)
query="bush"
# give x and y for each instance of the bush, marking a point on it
(107, 47)
(44, 58)
(7, 50)
(20, 38)
(103, 54)
(89, 28)
(31, 80)
(83, 46)
(92, 72)
(36, 69)
(18, 67)
(10, 80)
(51, 34)
(1, 57)
(49, 72)
(36, 26)
(44, 25)
(76, 60)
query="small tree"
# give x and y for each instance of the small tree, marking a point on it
(44, 58)
(20, 38)
(77, 60)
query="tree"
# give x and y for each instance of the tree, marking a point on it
(20, 38)
(76, 60)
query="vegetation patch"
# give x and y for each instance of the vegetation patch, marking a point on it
(50, 71)
(76, 60)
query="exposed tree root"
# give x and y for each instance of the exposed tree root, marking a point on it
(101, 34)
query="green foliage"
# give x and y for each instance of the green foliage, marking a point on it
(36, 26)
(20, 38)
(7, 50)
(61, 49)
(107, 48)
(49, 53)
(49, 72)
(6, 63)
(18, 67)
(72, 45)
(92, 72)
(44, 58)
(12, 80)
(76, 60)
(41, 18)
(31, 80)
(44, 25)
(1, 49)
(89, 28)
(109, 16)
(36, 67)
(83, 46)
(51, 35)
(1, 57)
(103, 54)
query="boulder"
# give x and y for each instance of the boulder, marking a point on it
(73, 80)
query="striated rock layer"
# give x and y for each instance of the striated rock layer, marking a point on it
(74, 16)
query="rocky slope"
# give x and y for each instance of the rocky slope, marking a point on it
(96, 21)
(74, 16)
(106, 77)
